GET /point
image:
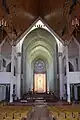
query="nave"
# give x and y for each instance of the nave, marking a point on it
(39, 59)
(40, 111)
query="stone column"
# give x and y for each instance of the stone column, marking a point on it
(71, 88)
(75, 92)
(1, 67)
(67, 75)
(1, 93)
(12, 73)
(4, 92)
(61, 77)
(79, 58)
(19, 75)
(11, 92)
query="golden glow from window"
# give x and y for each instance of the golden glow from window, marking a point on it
(40, 83)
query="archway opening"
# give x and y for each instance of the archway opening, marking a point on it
(39, 58)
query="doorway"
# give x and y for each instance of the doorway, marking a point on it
(40, 82)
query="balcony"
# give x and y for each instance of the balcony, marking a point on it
(74, 77)
(6, 77)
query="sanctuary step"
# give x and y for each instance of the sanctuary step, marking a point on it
(40, 96)
(40, 102)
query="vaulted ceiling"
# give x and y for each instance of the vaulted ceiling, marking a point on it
(58, 14)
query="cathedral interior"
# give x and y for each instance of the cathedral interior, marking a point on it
(40, 55)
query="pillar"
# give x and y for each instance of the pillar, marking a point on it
(68, 93)
(19, 76)
(11, 92)
(61, 77)
(1, 67)
(67, 75)
(1, 92)
(4, 92)
(71, 88)
(79, 58)
(12, 73)
(75, 92)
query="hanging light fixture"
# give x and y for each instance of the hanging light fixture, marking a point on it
(3, 23)
(75, 22)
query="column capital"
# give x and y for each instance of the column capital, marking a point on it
(13, 43)
(66, 42)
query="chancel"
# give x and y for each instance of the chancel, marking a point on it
(39, 60)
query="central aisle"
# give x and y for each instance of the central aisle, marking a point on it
(40, 113)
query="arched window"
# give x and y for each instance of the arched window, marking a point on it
(77, 64)
(14, 71)
(8, 68)
(4, 63)
(71, 68)
(39, 66)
